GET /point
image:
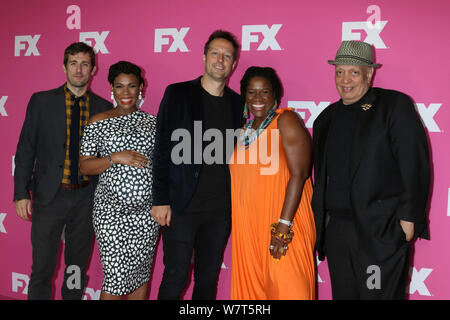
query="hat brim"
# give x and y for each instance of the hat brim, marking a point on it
(353, 62)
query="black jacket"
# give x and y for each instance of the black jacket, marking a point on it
(39, 160)
(389, 172)
(175, 184)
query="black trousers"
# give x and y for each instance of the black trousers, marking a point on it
(71, 209)
(205, 234)
(355, 274)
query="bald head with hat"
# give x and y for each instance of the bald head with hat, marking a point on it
(371, 180)
(354, 68)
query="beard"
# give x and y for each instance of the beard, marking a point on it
(78, 83)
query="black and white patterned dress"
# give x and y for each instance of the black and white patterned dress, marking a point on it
(125, 231)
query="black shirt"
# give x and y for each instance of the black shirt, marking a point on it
(213, 190)
(339, 143)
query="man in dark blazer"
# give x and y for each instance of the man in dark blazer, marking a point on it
(46, 163)
(372, 176)
(191, 197)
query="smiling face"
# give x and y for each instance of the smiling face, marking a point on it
(126, 90)
(78, 70)
(352, 82)
(259, 98)
(219, 60)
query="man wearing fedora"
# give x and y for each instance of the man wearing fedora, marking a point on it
(372, 177)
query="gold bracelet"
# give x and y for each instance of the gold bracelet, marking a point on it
(285, 238)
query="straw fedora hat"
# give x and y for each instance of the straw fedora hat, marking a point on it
(353, 53)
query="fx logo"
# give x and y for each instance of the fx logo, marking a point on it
(2, 106)
(93, 294)
(372, 30)
(20, 44)
(418, 281)
(99, 39)
(162, 37)
(311, 106)
(2, 226)
(427, 114)
(373, 34)
(20, 280)
(268, 41)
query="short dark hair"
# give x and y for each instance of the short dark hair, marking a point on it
(78, 47)
(263, 72)
(223, 35)
(124, 67)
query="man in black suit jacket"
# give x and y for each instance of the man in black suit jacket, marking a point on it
(372, 174)
(191, 196)
(46, 163)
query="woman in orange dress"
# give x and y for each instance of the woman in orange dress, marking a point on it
(273, 232)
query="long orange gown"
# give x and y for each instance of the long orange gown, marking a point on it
(257, 201)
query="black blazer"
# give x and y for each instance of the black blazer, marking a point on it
(39, 160)
(389, 172)
(175, 184)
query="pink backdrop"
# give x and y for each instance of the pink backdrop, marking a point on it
(295, 37)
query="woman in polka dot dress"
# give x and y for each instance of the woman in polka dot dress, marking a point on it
(118, 145)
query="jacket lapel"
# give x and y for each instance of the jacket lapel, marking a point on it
(195, 107)
(362, 131)
(59, 111)
(92, 106)
(322, 144)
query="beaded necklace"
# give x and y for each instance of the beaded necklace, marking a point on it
(250, 134)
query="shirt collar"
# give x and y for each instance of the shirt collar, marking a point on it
(72, 95)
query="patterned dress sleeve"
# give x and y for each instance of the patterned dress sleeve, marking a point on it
(90, 141)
